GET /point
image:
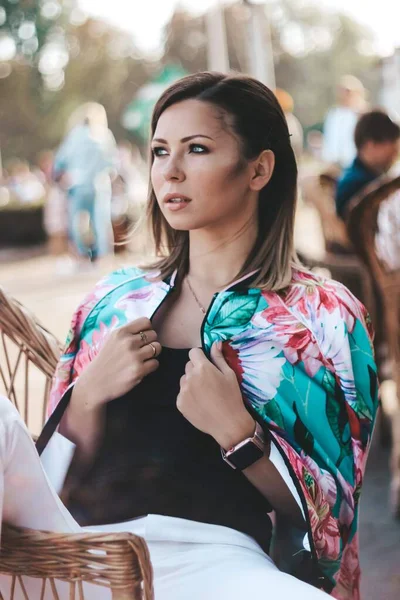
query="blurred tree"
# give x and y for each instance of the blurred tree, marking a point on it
(99, 63)
(76, 59)
(312, 49)
(26, 25)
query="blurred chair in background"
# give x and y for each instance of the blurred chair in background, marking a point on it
(363, 227)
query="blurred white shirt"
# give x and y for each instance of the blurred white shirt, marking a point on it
(338, 143)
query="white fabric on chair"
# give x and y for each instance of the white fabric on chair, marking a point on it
(190, 560)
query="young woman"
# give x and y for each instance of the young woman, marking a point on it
(223, 381)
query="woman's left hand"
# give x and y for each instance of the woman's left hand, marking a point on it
(211, 400)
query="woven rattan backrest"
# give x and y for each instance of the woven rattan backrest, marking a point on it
(28, 358)
(64, 565)
(39, 565)
(362, 223)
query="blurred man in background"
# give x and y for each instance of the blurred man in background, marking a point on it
(376, 139)
(86, 161)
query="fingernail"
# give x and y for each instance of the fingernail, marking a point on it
(219, 345)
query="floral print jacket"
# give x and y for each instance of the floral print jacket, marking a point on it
(304, 360)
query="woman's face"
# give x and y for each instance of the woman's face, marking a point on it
(198, 174)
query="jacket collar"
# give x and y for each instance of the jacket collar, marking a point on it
(236, 286)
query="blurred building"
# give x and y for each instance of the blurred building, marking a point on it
(390, 78)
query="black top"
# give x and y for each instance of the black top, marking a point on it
(153, 461)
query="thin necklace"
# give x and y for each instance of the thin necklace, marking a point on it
(201, 307)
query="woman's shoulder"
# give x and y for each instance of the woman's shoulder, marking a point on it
(313, 297)
(132, 276)
(115, 282)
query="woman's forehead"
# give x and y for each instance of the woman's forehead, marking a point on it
(188, 118)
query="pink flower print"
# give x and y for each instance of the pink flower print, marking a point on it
(325, 528)
(231, 356)
(323, 478)
(142, 302)
(298, 342)
(87, 352)
(348, 580)
(258, 363)
(311, 293)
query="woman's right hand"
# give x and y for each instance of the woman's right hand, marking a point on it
(126, 357)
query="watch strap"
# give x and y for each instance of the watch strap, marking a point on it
(248, 451)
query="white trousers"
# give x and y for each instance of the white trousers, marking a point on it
(190, 560)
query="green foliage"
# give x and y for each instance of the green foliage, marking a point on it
(312, 49)
(38, 22)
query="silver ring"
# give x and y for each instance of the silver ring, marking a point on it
(143, 337)
(154, 349)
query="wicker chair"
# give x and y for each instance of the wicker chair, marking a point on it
(73, 566)
(339, 257)
(28, 357)
(362, 228)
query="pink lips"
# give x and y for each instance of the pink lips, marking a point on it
(175, 206)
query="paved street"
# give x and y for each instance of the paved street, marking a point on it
(53, 298)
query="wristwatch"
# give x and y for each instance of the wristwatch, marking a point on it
(247, 452)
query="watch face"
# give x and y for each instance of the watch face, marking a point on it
(245, 456)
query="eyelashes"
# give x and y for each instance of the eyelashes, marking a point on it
(160, 151)
(194, 149)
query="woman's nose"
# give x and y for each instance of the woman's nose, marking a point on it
(173, 171)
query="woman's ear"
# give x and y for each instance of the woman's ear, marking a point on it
(263, 167)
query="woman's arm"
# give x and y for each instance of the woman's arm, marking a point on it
(128, 355)
(264, 475)
(83, 422)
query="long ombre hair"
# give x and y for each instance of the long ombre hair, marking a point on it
(259, 123)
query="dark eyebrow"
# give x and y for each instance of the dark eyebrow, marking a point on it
(185, 139)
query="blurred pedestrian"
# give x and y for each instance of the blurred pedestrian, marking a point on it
(24, 185)
(340, 122)
(86, 161)
(294, 125)
(376, 139)
(55, 218)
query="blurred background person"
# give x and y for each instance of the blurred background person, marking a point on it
(86, 162)
(376, 139)
(294, 125)
(24, 185)
(340, 122)
(55, 218)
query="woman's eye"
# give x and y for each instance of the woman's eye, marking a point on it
(198, 149)
(159, 151)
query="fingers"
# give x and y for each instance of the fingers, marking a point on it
(197, 355)
(141, 324)
(189, 367)
(218, 358)
(144, 338)
(150, 351)
(149, 366)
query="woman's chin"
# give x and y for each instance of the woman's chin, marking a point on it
(182, 223)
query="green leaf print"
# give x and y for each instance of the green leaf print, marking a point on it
(303, 437)
(272, 410)
(361, 408)
(338, 419)
(235, 312)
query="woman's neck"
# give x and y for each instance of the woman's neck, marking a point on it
(216, 258)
